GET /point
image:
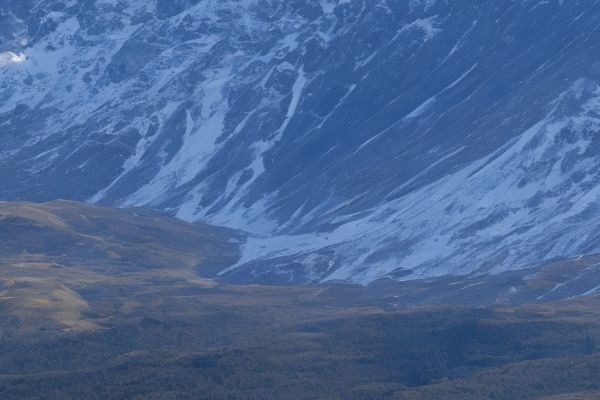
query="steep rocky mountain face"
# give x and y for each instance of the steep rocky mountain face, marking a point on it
(353, 139)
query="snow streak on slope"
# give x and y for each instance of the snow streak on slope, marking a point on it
(521, 205)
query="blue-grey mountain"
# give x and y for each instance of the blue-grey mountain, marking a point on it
(352, 139)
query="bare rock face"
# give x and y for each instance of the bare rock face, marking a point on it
(355, 140)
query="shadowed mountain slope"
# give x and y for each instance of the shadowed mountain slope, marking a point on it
(355, 139)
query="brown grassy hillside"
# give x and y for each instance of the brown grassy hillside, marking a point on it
(107, 304)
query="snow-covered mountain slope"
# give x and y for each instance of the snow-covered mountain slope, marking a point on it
(354, 139)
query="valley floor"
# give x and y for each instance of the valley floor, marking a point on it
(185, 341)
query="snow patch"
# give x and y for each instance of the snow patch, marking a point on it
(426, 25)
(8, 58)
